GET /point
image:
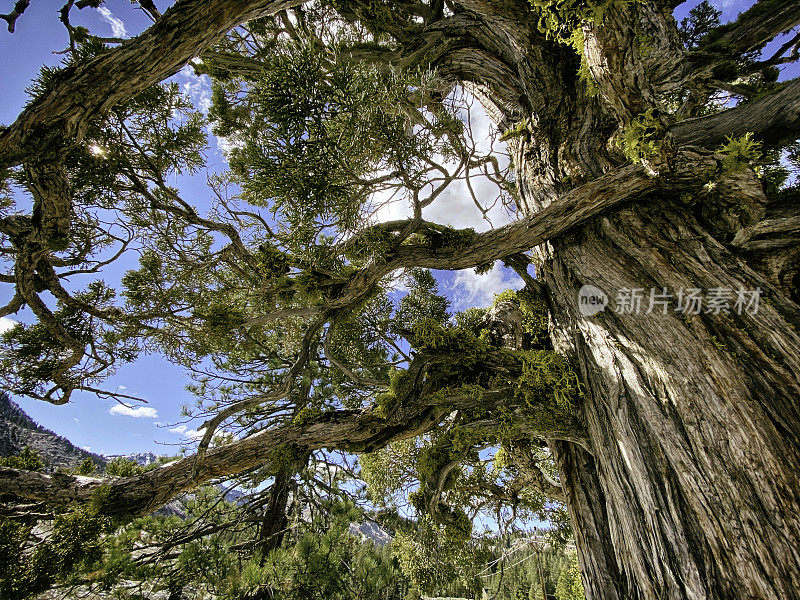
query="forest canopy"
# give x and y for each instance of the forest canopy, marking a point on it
(631, 151)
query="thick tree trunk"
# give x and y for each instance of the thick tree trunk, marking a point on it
(691, 489)
(687, 488)
(273, 524)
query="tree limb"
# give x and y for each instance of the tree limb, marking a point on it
(16, 12)
(57, 118)
(774, 120)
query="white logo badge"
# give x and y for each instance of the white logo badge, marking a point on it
(591, 300)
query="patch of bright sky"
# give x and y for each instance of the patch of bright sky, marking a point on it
(102, 424)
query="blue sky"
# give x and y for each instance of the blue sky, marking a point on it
(95, 423)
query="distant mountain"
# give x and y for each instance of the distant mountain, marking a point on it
(143, 459)
(370, 530)
(18, 430)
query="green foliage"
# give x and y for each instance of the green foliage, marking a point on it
(324, 561)
(642, 138)
(305, 415)
(561, 20)
(550, 391)
(471, 319)
(700, 21)
(74, 548)
(386, 471)
(288, 126)
(535, 314)
(122, 467)
(435, 561)
(33, 357)
(86, 468)
(422, 303)
(221, 318)
(558, 19)
(87, 47)
(385, 402)
(519, 577)
(440, 237)
(27, 459)
(570, 586)
(740, 153)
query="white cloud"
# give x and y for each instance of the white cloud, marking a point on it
(471, 289)
(6, 324)
(225, 145)
(87, 448)
(197, 87)
(196, 434)
(117, 26)
(192, 434)
(122, 387)
(76, 419)
(137, 412)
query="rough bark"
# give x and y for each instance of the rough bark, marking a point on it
(776, 119)
(365, 430)
(140, 495)
(692, 422)
(273, 524)
(684, 491)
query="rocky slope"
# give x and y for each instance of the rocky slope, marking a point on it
(18, 430)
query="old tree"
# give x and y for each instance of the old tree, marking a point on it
(675, 435)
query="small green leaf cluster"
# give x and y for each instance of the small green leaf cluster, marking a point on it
(272, 262)
(642, 138)
(536, 315)
(740, 153)
(549, 390)
(373, 244)
(220, 317)
(558, 19)
(86, 468)
(283, 458)
(561, 20)
(386, 402)
(305, 415)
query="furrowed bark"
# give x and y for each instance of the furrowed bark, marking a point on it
(684, 491)
(692, 421)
